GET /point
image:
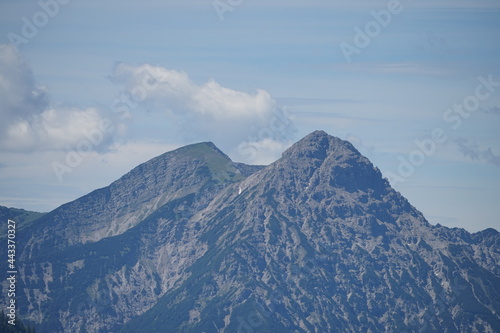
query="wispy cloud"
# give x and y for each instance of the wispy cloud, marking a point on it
(477, 153)
(403, 68)
(495, 110)
(298, 101)
(423, 4)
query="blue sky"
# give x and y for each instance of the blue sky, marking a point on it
(97, 88)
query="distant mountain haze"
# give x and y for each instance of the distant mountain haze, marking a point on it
(191, 241)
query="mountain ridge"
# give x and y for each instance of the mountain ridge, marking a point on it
(316, 241)
(128, 200)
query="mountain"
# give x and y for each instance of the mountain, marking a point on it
(112, 210)
(318, 241)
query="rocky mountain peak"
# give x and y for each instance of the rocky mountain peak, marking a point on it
(202, 150)
(194, 153)
(319, 145)
(329, 161)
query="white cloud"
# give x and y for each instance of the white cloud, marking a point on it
(207, 111)
(222, 102)
(29, 122)
(179, 93)
(53, 129)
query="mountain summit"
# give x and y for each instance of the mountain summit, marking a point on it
(317, 241)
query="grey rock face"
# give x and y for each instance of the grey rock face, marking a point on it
(317, 241)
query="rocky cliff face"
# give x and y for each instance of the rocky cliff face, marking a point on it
(316, 242)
